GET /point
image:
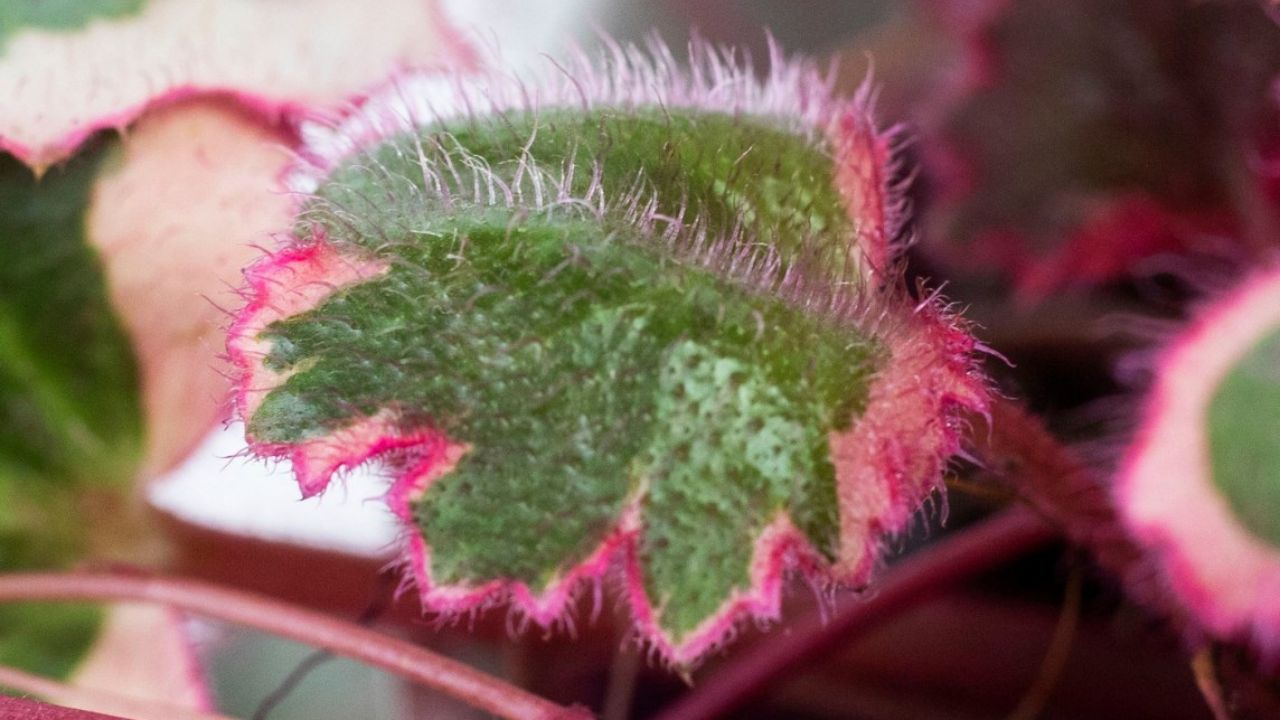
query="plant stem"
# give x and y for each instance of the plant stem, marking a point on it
(308, 626)
(13, 708)
(72, 696)
(1021, 454)
(923, 576)
(1036, 699)
(1202, 666)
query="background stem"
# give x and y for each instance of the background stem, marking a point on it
(925, 575)
(1020, 453)
(396, 656)
(13, 708)
(85, 698)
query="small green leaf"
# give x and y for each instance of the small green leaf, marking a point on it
(70, 421)
(1200, 485)
(59, 15)
(1244, 438)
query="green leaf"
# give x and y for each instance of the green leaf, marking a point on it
(70, 422)
(1244, 438)
(1200, 485)
(47, 639)
(579, 362)
(69, 404)
(586, 334)
(59, 15)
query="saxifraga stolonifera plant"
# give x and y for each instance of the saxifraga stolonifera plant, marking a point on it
(622, 320)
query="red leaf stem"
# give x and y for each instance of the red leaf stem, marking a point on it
(929, 573)
(1020, 452)
(395, 656)
(13, 708)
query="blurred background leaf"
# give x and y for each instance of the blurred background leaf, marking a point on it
(70, 422)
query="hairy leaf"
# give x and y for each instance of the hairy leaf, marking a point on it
(1242, 433)
(655, 330)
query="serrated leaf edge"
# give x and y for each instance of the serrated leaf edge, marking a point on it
(931, 360)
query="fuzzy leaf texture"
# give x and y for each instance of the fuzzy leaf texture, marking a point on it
(623, 317)
(1201, 486)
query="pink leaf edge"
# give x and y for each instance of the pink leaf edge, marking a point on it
(51, 135)
(888, 465)
(884, 473)
(1227, 578)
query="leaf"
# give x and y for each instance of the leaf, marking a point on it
(69, 416)
(1200, 488)
(1078, 139)
(71, 435)
(60, 15)
(174, 230)
(69, 69)
(116, 247)
(647, 323)
(69, 378)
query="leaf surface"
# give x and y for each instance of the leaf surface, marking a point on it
(1200, 487)
(69, 415)
(639, 334)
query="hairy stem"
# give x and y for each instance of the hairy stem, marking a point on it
(308, 626)
(923, 576)
(1023, 455)
(1018, 451)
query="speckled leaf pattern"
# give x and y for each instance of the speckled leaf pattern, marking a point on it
(584, 334)
(579, 364)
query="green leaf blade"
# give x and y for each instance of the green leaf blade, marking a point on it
(637, 335)
(1244, 438)
(70, 415)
